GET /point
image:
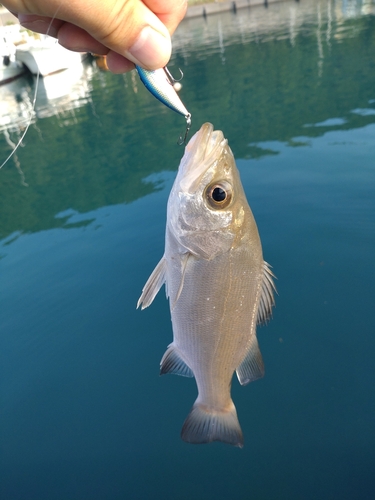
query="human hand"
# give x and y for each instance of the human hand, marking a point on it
(128, 32)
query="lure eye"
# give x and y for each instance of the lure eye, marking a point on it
(219, 194)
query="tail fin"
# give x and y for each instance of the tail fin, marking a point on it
(204, 425)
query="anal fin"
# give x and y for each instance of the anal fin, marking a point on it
(252, 366)
(173, 363)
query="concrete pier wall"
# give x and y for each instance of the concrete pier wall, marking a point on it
(193, 11)
(216, 7)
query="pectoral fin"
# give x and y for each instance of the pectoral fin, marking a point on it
(184, 261)
(267, 300)
(252, 366)
(153, 284)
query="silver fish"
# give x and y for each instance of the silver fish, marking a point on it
(218, 284)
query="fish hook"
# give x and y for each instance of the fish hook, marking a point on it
(171, 78)
(182, 140)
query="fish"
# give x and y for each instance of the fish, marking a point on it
(218, 285)
(160, 83)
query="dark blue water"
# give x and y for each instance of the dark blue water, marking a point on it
(83, 411)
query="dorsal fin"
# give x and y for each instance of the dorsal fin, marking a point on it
(267, 300)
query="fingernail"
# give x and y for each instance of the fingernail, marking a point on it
(152, 49)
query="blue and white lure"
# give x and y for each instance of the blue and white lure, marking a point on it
(160, 83)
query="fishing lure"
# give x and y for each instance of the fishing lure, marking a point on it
(160, 83)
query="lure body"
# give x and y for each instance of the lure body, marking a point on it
(160, 84)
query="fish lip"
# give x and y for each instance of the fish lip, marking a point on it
(203, 148)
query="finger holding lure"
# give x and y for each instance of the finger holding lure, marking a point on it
(160, 83)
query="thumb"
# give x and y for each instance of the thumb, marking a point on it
(127, 27)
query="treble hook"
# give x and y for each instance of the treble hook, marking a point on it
(182, 140)
(171, 77)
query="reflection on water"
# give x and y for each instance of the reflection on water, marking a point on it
(260, 74)
(15, 105)
(83, 412)
(283, 20)
(64, 91)
(58, 93)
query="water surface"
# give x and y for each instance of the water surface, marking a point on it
(83, 411)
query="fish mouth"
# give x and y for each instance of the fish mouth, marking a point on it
(203, 149)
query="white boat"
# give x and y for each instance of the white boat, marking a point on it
(44, 56)
(9, 68)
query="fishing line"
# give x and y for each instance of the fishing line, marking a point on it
(33, 101)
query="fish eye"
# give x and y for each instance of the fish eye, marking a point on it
(219, 194)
